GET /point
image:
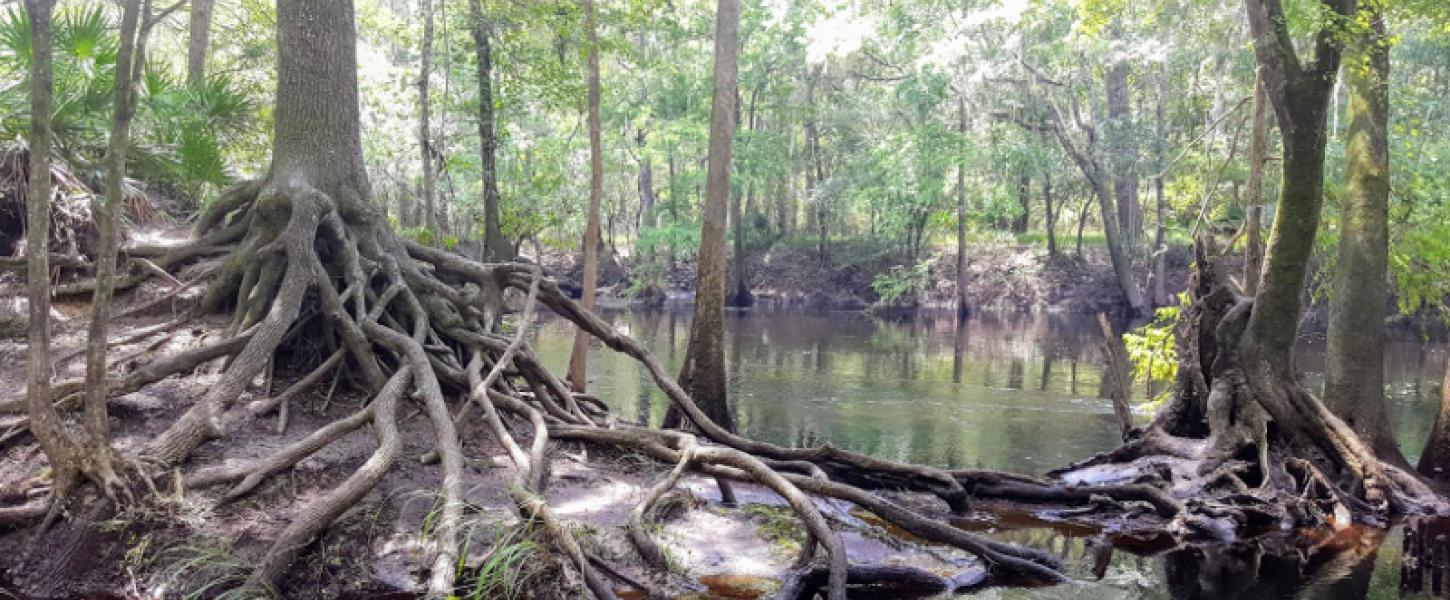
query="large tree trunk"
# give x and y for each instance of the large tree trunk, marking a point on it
(703, 375)
(425, 142)
(198, 41)
(579, 358)
(495, 245)
(1354, 387)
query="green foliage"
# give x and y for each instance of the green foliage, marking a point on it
(1152, 349)
(902, 283)
(508, 568)
(181, 135)
(201, 569)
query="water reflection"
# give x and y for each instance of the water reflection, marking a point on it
(1019, 392)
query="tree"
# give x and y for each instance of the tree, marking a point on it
(495, 246)
(198, 41)
(1098, 179)
(961, 271)
(1258, 157)
(579, 358)
(1236, 381)
(1354, 386)
(1124, 153)
(703, 375)
(426, 150)
(130, 60)
(65, 454)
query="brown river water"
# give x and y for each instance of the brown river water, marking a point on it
(1019, 392)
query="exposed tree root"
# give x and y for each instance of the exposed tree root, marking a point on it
(405, 321)
(803, 583)
(1242, 445)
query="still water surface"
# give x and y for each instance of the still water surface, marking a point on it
(1017, 392)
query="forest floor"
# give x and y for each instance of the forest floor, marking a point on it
(186, 544)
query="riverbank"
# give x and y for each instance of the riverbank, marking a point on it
(1001, 275)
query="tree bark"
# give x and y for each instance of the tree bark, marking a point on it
(425, 143)
(495, 246)
(1435, 459)
(703, 375)
(579, 358)
(61, 450)
(1354, 387)
(198, 41)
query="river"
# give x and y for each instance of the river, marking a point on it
(1010, 391)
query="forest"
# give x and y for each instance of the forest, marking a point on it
(724, 299)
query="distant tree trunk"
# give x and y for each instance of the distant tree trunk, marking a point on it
(790, 205)
(425, 144)
(129, 62)
(1354, 387)
(495, 246)
(1258, 155)
(579, 358)
(646, 187)
(61, 450)
(1024, 200)
(962, 306)
(739, 295)
(198, 41)
(1050, 212)
(1160, 234)
(1125, 183)
(1435, 460)
(674, 203)
(1119, 251)
(703, 375)
(815, 174)
(1082, 217)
